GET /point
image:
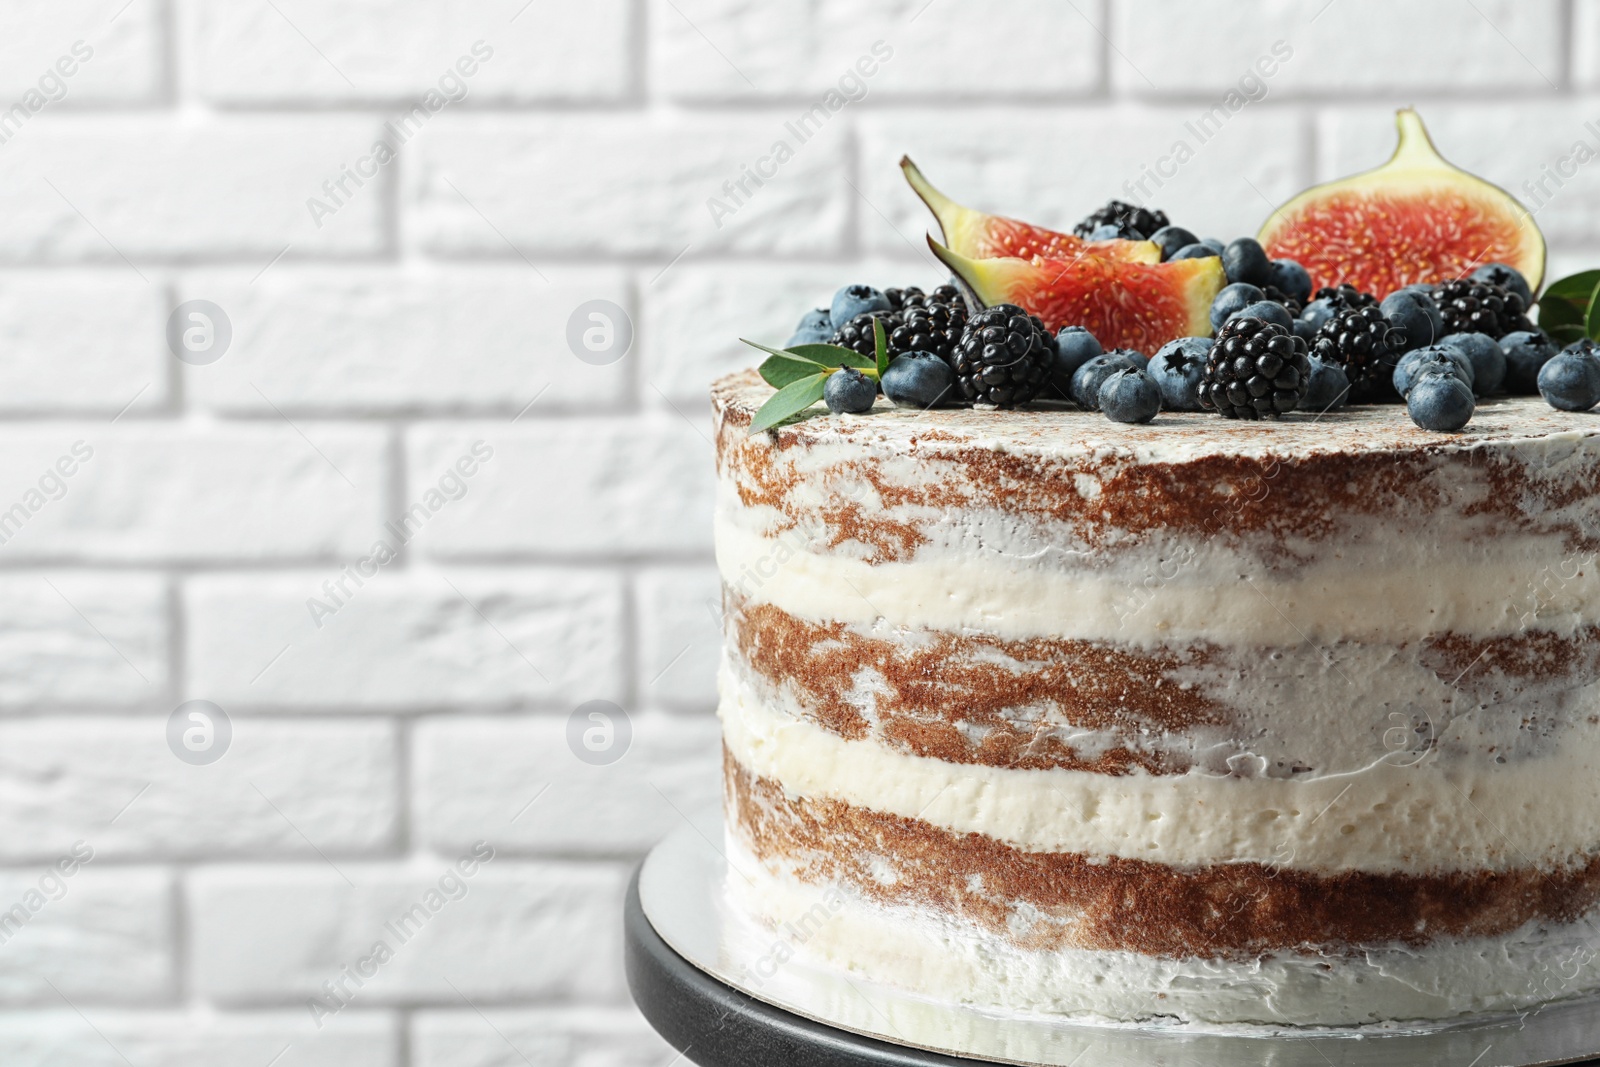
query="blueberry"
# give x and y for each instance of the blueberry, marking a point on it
(849, 392)
(855, 300)
(1214, 244)
(1270, 310)
(1173, 239)
(814, 335)
(815, 319)
(1291, 279)
(1130, 396)
(1570, 381)
(1306, 331)
(1318, 312)
(1177, 369)
(1526, 351)
(1440, 402)
(1416, 314)
(1488, 361)
(1328, 388)
(1232, 300)
(1194, 251)
(1510, 277)
(1244, 260)
(1075, 346)
(1419, 362)
(1087, 380)
(919, 380)
(1108, 232)
(1138, 359)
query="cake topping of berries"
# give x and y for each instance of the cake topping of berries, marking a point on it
(1130, 396)
(1440, 402)
(920, 380)
(1244, 260)
(1526, 352)
(1278, 296)
(1367, 346)
(1417, 316)
(1004, 358)
(900, 299)
(1255, 369)
(853, 300)
(934, 324)
(1291, 279)
(1475, 306)
(1131, 223)
(849, 392)
(1343, 297)
(1508, 277)
(1570, 380)
(856, 334)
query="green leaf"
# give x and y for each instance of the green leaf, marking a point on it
(790, 400)
(880, 346)
(1574, 287)
(765, 348)
(831, 356)
(781, 369)
(1591, 316)
(1565, 334)
(1567, 302)
(1553, 313)
(834, 356)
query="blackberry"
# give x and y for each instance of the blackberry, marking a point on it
(1510, 277)
(1132, 223)
(857, 333)
(1278, 296)
(1367, 346)
(900, 299)
(1004, 358)
(1476, 306)
(1255, 369)
(932, 326)
(1344, 296)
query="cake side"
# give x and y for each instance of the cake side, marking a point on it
(1248, 695)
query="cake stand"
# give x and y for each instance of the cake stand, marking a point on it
(724, 992)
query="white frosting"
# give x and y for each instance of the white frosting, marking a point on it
(1402, 812)
(947, 960)
(1395, 592)
(906, 525)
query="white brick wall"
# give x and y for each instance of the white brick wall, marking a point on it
(566, 154)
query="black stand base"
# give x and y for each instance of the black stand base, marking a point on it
(715, 1025)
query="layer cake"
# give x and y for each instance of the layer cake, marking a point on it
(1290, 723)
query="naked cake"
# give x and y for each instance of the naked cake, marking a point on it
(1196, 719)
(1161, 630)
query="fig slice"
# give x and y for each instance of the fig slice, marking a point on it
(1123, 303)
(977, 235)
(1416, 218)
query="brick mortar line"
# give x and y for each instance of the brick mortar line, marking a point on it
(184, 868)
(38, 712)
(1133, 99)
(258, 568)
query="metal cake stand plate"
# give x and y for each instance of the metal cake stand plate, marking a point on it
(722, 991)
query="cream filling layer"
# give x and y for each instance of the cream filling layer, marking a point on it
(946, 960)
(1211, 596)
(1395, 815)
